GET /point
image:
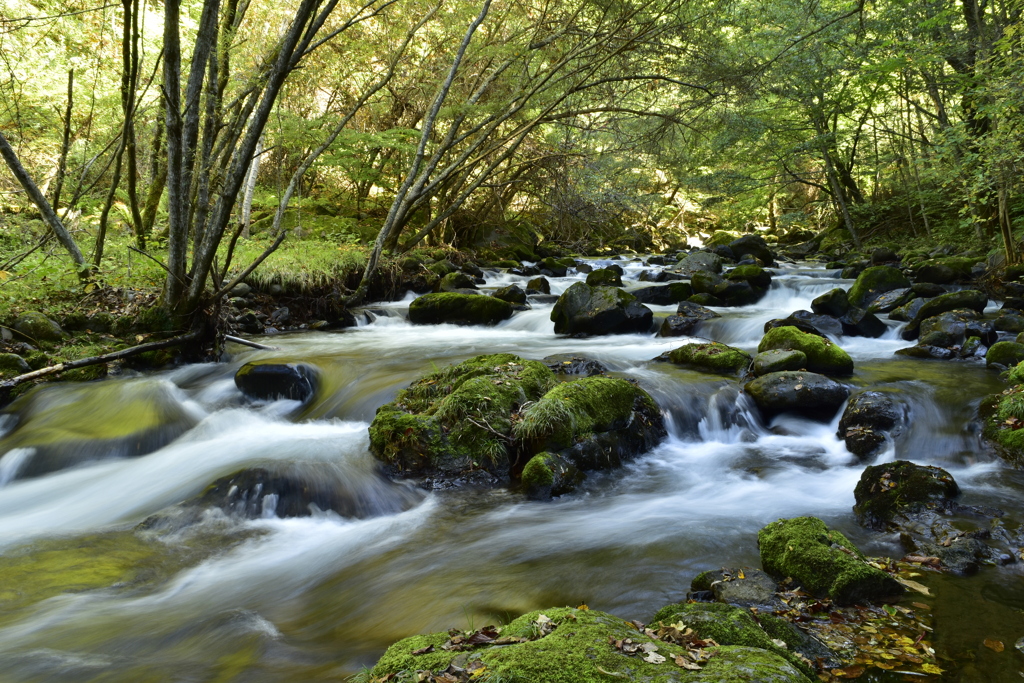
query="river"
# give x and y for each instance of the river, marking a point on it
(86, 596)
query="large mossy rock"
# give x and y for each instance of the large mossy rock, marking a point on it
(12, 365)
(455, 282)
(823, 356)
(778, 360)
(868, 417)
(833, 303)
(268, 381)
(66, 425)
(458, 309)
(802, 392)
(823, 561)
(38, 328)
(458, 418)
(596, 422)
(565, 645)
(873, 282)
(585, 310)
(700, 261)
(726, 625)
(1004, 354)
(757, 276)
(944, 270)
(550, 474)
(896, 490)
(664, 295)
(605, 277)
(711, 356)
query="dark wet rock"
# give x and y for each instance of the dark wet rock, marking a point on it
(962, 555)
(280, 316)
(565, 644)
(1008, 322)
(472, 270)
(778, 360)
(241, 289)
(513, 294)
(927, 290)
(888, 494)
(268, 381)
(801, 321)
(711, 356)
(566, 364)
(851, 271)
(530, 271)
(539, 284)
(57, 427)
(832, 303)
(455, 281)
(549, 474)
(584, 268)
(803, 392)
(1005, 354)
(967, 298)
(586, 310)
(890, 301)
(753, 245)
(687, 319)
(935, 273)
(304, 490)
(553, 266)
(860, 323)
(458, 309)
(823, 356)
(615, 268)
(542, 298)
(704, 299)
(883, 255)
(823, 561)
(725, 252)
(442, 268)
(944, 270)
(873, 282)
(1014, 303)
(908, 311)
(746, 587)
(605, 277)
(664, 295)
(700, 261)
(38, 328)
(868, 417)
(926, 352)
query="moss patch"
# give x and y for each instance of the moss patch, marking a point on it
(822, 560)
(822, 355)
(711, 357)
(458, 309)
(900, 488)
(874, 281)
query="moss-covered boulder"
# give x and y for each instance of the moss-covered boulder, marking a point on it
(604, 277)
(895, 490)
(459, 418)
(565, 645)
(458, 309)
(65, 425)
(726, 625)
(267, 380)
(711, 356)
(550, 474)
(778, 360)
(802, 392)
(12, 365)
(868, 417)
(823, 356)
(38, 328)
(833, 302)
(944, 270)
(553, 267)
(755, 275)
(597, 422)
(873, 282)
(584, 310)
(823, 561)
(455, 282)
(1005, 354)
(539, 284)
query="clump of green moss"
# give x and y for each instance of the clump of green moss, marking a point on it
(823, 561)
(822, 355)
(458, 309)
(711, 357)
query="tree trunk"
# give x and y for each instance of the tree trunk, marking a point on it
(250, 188)
(66, 142)
(51, 219)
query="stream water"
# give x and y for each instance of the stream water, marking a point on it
(86, 596)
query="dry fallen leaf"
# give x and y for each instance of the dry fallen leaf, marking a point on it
(654, 658)
(992, 644)
(914, 585)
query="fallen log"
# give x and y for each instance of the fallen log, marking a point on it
(96, 360)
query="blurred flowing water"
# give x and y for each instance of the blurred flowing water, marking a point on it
(87, 594)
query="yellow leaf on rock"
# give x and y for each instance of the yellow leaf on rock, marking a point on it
(931, 669)
(914, 585)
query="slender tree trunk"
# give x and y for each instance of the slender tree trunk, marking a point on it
(250, 188)
(177, 227)
(65, 143)
(51, 219)
(157, 177)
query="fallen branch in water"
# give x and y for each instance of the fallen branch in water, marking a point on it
(246, 342)
(96, 360)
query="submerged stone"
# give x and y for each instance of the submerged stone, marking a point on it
(268, 381)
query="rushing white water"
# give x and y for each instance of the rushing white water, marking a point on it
(314, 598)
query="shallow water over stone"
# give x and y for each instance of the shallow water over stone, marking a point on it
(87, 594)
